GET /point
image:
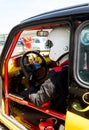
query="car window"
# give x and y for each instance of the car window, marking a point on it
(36, 40)
(83, 66)
(29, 40)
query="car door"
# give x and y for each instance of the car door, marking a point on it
(77, 117)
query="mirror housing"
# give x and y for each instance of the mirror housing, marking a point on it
(42, 33)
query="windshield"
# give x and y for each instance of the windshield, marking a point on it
(36, 38)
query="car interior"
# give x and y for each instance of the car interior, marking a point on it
(26, 67)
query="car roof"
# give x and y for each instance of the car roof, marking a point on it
(73, 10)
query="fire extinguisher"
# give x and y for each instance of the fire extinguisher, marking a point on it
(47, 124)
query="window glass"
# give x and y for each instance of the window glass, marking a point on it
(36, 40)
(83, 66)
(30, 40)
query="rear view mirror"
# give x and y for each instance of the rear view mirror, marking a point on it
(42, 33)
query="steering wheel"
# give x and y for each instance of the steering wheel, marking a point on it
(31, 70)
